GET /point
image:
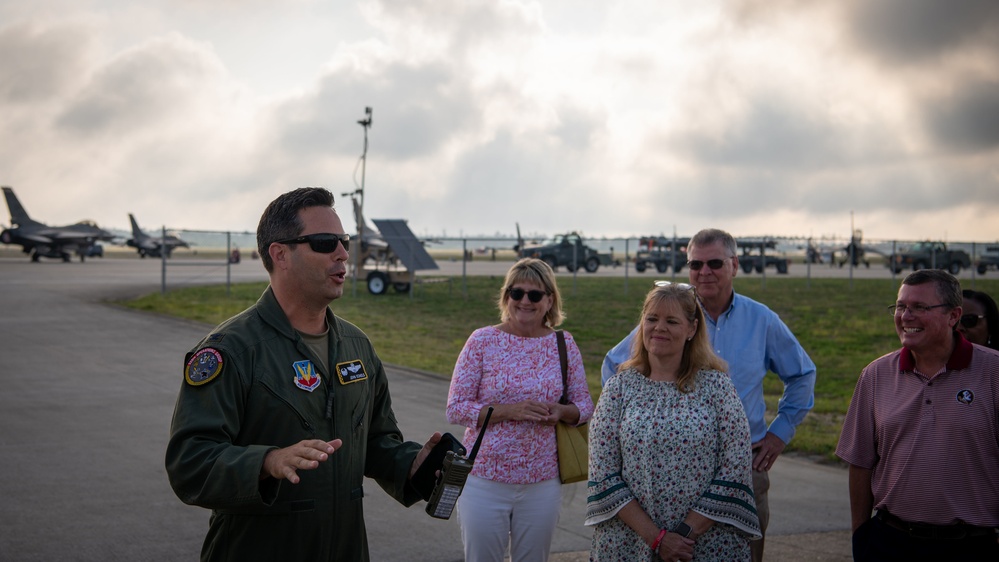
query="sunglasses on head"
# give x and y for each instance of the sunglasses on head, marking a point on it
(698, 264)
(684, 286)
(970, 320)
(322, 243)
(532, 295)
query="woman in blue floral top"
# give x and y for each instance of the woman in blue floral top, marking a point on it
(670, 459)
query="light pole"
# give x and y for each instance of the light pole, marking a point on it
(366, 124)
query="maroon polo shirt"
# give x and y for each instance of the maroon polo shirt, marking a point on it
(932, 443)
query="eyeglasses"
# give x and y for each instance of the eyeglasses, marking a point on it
(322, 243)
(698, 264)
(916, 309)
(534, 296)
(684, 286)
(971, 320)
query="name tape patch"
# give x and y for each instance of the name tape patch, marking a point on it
(351, 371)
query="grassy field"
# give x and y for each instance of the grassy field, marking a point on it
(842, 328)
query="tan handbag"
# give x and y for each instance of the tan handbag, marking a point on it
(573, 452)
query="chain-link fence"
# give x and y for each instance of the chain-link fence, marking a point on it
(629, 257)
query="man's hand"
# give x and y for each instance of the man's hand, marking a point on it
(766, 451)
(434, 439)
(304, 455)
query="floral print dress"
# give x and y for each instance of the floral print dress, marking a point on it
(672, 452)
(495, 367)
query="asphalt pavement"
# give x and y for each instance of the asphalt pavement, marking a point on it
(89, 388)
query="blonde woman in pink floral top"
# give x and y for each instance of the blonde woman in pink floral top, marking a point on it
(513, 495)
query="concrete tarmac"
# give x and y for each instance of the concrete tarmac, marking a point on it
(87, 394)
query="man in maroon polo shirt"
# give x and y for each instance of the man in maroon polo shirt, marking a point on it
(922, 436)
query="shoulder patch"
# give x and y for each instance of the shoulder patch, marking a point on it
(351, 371)
(306, 376)
(203, 366)
(216, 337)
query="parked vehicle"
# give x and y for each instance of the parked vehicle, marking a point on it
(568, 250)
(988, 260)
(661, 253)
(750, 261)
(95, 251)
(924, 255)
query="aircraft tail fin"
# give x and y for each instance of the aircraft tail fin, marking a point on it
(136, 231)
(18, 216)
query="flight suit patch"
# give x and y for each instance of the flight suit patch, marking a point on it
(203, 366)
(351, 371)
(306, 376)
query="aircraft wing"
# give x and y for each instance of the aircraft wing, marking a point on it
(37, 238)
(66, 236)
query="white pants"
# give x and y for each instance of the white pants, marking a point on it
(495, 514)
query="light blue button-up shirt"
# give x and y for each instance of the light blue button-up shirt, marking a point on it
(753, 340)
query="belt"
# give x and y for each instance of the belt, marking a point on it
(956, 531)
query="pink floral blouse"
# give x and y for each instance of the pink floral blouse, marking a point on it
(495, 367)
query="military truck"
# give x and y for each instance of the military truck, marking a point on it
(988, 260)
(923, 255)
(750, 261)
(567, 250)
(658, 252)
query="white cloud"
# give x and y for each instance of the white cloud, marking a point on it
(628, 118)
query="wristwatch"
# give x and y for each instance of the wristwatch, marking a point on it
(683, 529)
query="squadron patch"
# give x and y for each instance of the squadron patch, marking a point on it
(203, 366)
(351, 371)
(306, 376)
(965, 396)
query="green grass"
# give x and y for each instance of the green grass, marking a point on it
(841, 327)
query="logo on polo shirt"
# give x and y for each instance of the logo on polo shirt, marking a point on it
(965, 396)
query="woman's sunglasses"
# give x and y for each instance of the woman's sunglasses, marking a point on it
(322, 243)
(533, 295)
(970, 320)
(684, 286)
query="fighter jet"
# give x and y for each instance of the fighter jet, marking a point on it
(152, 245)
(41, 240)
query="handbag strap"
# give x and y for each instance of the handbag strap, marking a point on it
(560, 335)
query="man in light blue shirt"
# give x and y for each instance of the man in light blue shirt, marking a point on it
(753, 340)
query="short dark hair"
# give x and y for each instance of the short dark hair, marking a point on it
(280, 219)
(948, 287)
(710, 236)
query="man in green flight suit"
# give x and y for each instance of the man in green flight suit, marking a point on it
(285, 407)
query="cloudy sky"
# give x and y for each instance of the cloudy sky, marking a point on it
(622, 118)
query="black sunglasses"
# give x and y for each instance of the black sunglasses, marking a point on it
(970, 320)
(698, 264)
(533, 295)
(322, 243)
